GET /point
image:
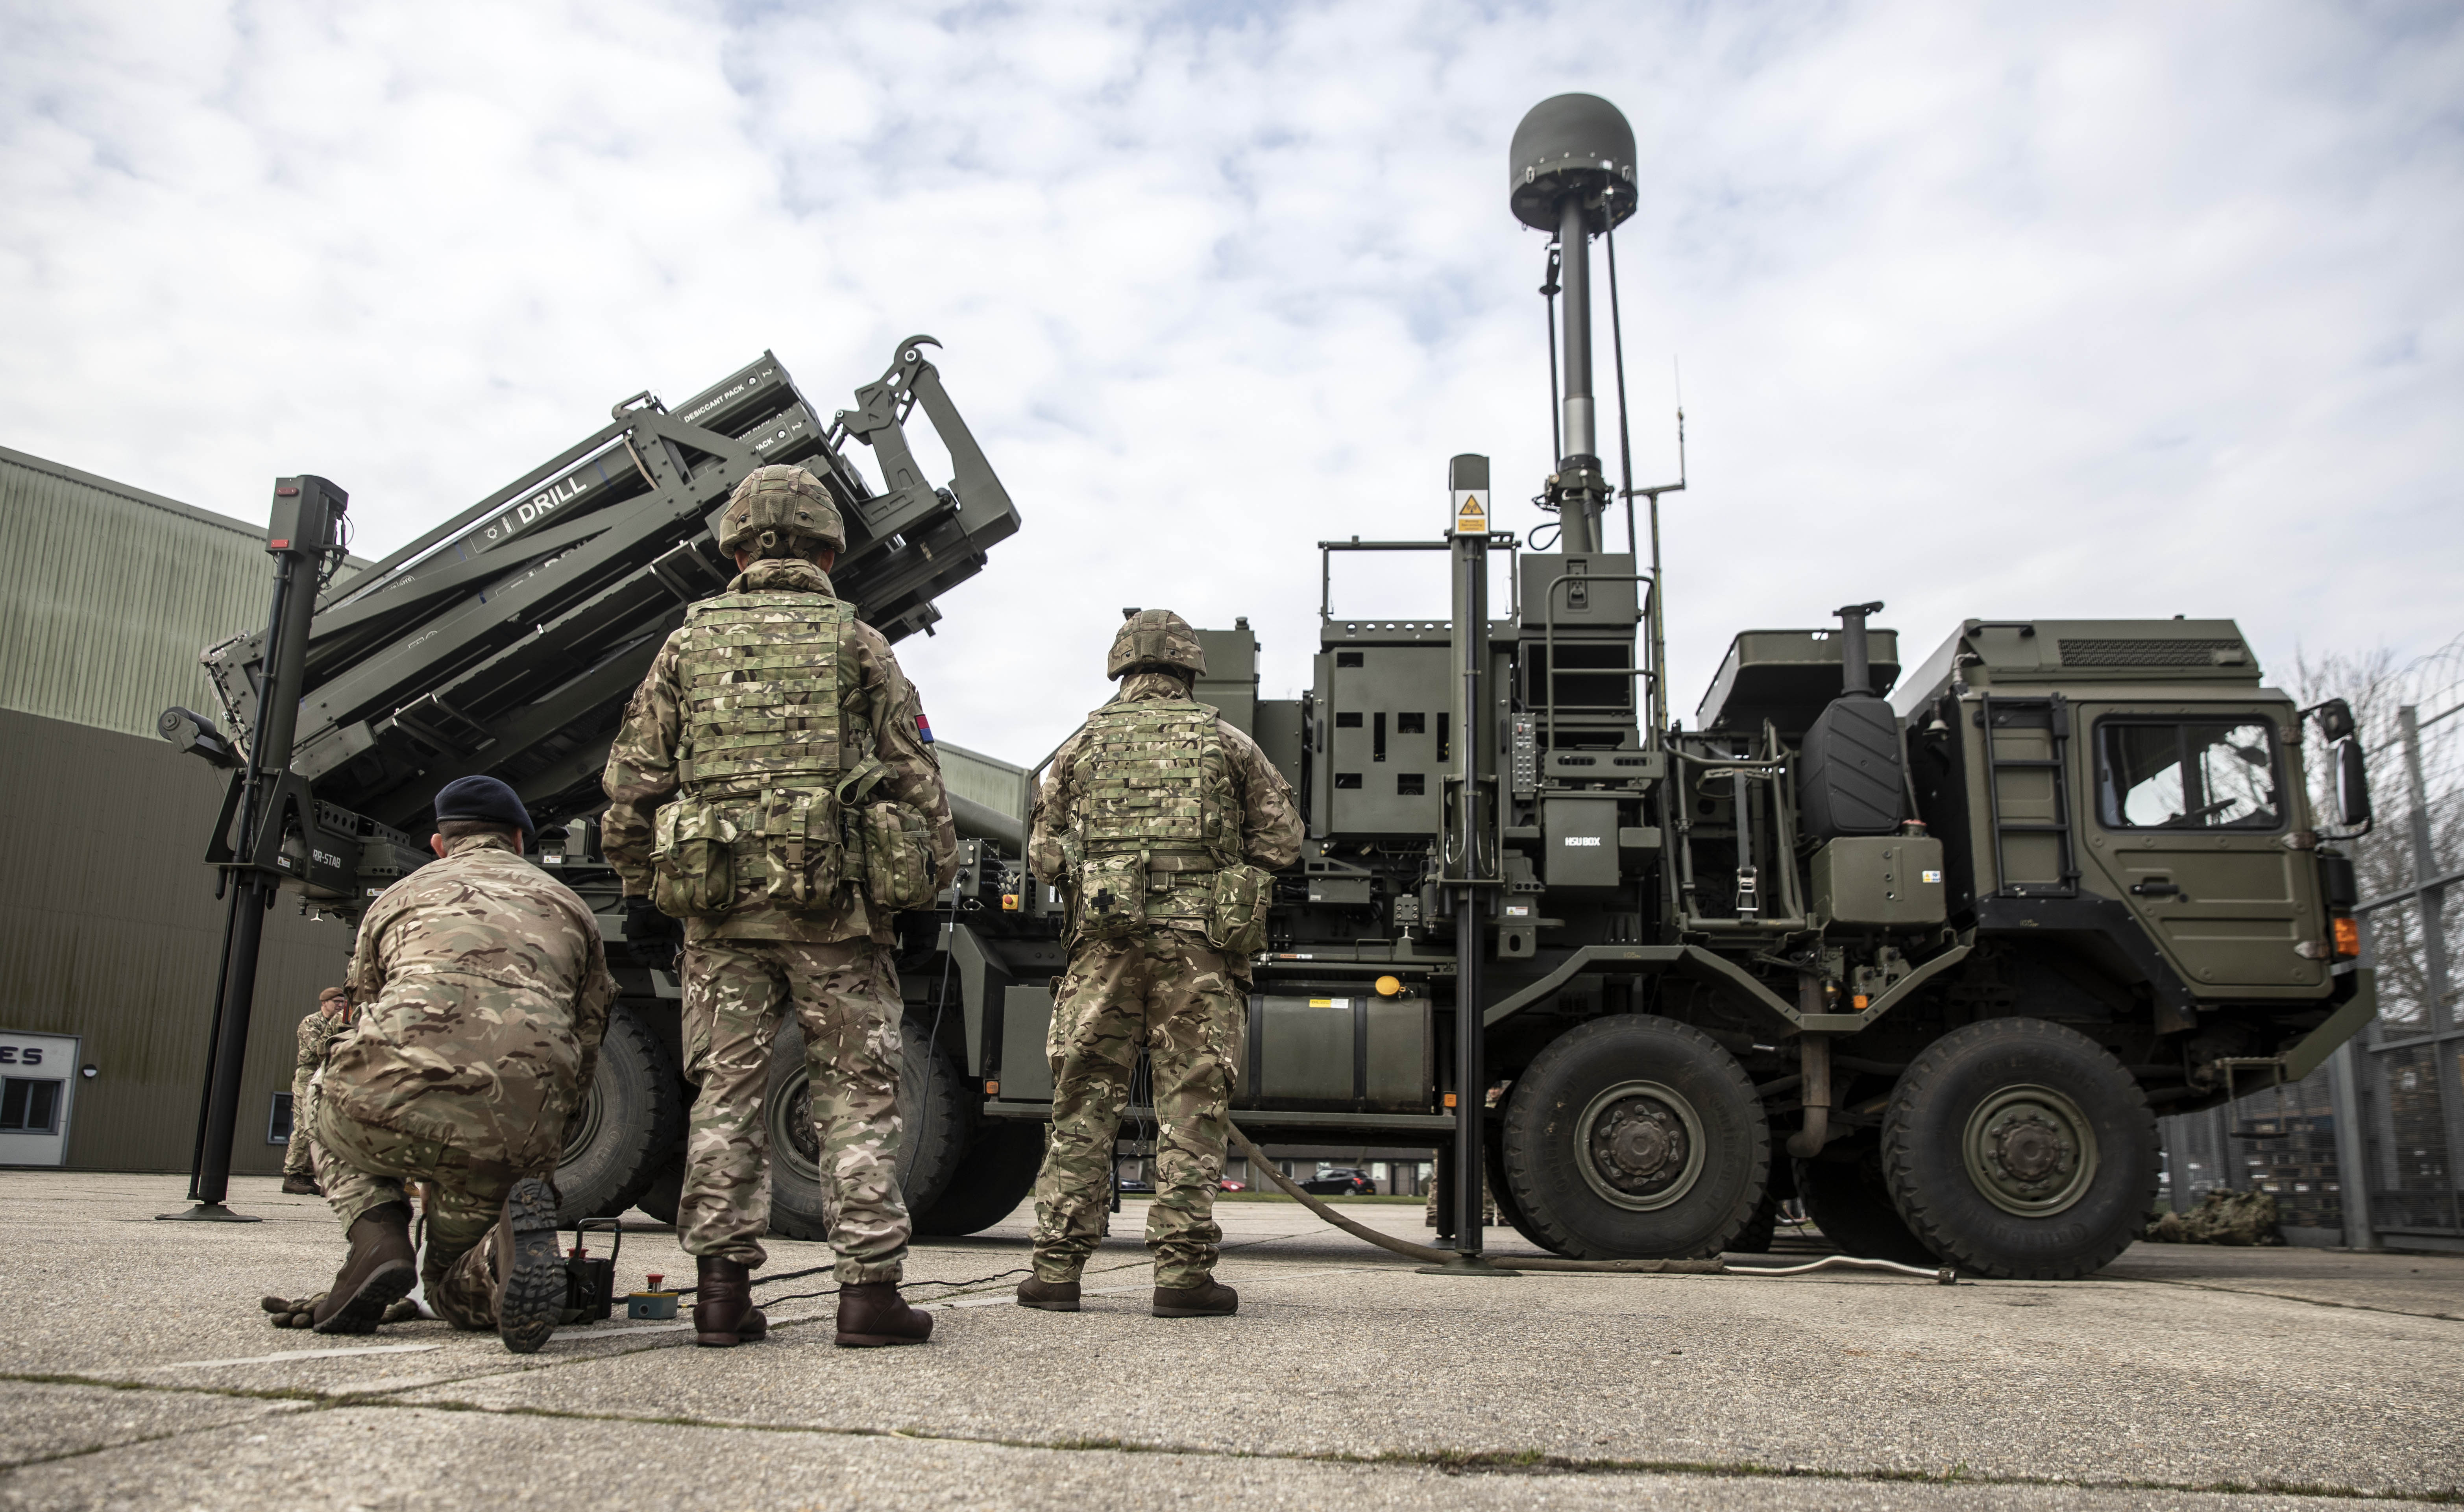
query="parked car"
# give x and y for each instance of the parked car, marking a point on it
(1342, 1181)
(1233, 1186)
(1132, 1186)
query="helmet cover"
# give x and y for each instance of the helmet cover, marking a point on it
(781, 511)
(1155, 638)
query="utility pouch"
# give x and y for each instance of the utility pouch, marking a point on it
(801, 843)
(693, 860)
(1242, 896)
(898, 856)
(1111, 897)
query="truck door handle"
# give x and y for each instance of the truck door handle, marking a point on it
(2158, 888)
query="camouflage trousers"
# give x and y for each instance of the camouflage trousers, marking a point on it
(299, 1159)
(1165, 992)
(846, 1000)
(363, 1166)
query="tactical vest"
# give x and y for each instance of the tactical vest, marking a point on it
(759, 678)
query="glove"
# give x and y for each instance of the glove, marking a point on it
(644, 922)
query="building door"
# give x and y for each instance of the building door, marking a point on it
(2193, 809)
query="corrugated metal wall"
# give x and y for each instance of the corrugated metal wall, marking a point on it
(109, 930)
(108, 592)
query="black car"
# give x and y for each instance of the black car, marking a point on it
(1342, 1181)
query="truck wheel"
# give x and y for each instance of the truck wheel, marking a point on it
(1636, 1136)
(1755, 1238)
(629, 1123)
(993, 1176)
(665, 1190)
(1502, 1192)
(933, 1122)
(2018, 1147)
(1845, 1197)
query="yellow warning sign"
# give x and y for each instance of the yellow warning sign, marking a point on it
(1471, 512)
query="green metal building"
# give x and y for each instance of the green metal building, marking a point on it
(110, 937)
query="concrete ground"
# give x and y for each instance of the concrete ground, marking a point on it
(136, 1369)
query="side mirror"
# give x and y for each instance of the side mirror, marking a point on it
(2336, 721)
(2352, 781)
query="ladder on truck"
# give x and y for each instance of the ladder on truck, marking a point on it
(2050, 713)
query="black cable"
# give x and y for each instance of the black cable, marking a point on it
(1556, 418)
(955, 1285)
(816, 1270)
(1616, 343)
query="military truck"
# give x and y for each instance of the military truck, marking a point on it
(1927, 949)
(1928, 952)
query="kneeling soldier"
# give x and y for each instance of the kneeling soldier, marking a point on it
(482, 990)
(1156, 819)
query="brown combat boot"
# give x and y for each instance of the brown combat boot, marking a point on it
(1052, 1296)
(379, 1272)
(530, 1267)
(299, 1185)
(1205, 1300)
(723, 1313)
(872, 1314)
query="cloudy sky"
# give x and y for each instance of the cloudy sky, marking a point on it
(1999, 311)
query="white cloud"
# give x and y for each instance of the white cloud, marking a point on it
(2112, 309)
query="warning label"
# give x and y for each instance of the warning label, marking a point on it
(1471, 512)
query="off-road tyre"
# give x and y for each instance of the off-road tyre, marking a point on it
(994, 1175)
(661, 1198)
(631, 1119)
(1974, 1142)
(1755, 1238)
(1652, 1110)
(934, 1123)
(1845, 1196)
(1500, 1190)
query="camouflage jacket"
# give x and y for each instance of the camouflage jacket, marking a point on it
(882, 716)
(1270, 822)
(316, 1035)
(480, 989)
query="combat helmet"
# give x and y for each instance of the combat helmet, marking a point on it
(781, 511)
(1155, 638)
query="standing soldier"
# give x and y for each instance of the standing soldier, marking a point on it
(1156, 819)
(807, 811)
(317, 1033)
(483, 989)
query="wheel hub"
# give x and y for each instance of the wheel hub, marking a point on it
(2030, 1151)
(1639, 1145)
(584, 1125)
(793, 1141)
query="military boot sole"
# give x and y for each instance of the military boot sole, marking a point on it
(534, 1285)
(386, 1284)
(1217, 1302)
(1055, 1301)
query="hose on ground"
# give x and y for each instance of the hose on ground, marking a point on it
(1429, 1254)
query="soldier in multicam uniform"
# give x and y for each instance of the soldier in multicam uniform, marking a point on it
(482, 991)
(1155, 818)
(317, 1034)
(773, 784)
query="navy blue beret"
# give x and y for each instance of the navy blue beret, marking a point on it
(483, 797)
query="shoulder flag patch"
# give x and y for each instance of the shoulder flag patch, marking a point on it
(924, 729)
